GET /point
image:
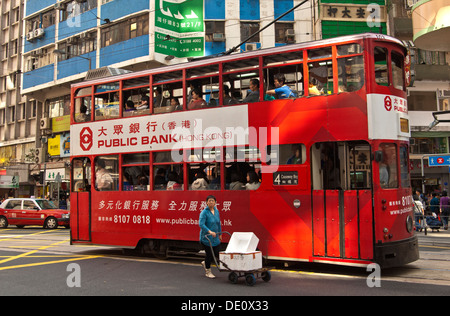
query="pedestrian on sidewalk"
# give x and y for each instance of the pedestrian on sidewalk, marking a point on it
(434, 205)
(445, 209)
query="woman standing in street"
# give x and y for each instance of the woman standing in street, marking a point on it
(210, 225)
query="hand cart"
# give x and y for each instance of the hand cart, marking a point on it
(250, 276)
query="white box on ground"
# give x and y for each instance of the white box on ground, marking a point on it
(241, 261)
(242, 243)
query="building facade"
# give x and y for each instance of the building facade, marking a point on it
(48, 44)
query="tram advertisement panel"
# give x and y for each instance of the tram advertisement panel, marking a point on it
(203, 128)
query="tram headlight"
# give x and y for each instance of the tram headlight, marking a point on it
(409, 223)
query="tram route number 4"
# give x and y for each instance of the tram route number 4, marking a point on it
(285, 178)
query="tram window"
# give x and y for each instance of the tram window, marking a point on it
(388, 166)
(205, 154)
(241, 88)
(135, 178)
(206, 93)
(359, 165)
(286, 154)
(107, 173)
(320, 77)
(136, 82)
(293, 75)
(106, 105)
(135, 102)
(350, 73)
(168, 97)
(381, 66)
(242, 176)
(349, 49)
(404, 167)
(397, 63)
(82, 109)
(168, 156)
(135, 172)
(242, 162)
(81, 174)
(84, 92)
(318, 53)
(168, 177)
(204, 176)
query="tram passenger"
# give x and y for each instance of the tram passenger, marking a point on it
(210, 228)
(197, 101)
(173, 183)
(313, 87)
(129, 106)
(82, 116)
(103, 180)
(281, 91)
(253, 95)
(227, 99)
(201, 182)
(158, 98)
(252, 181)
(160, 179)
(236, 183)
(175, 103)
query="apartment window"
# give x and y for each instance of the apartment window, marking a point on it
(41, 21)
(12, 114)
(249, 28)
(284, 33)
(2, 116)
(75, 46)
(75, 8)
(125, 30)
(215, 31)
(59, 106)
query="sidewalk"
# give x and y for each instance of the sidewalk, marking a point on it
(441, 238)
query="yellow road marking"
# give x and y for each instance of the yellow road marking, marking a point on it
(49, 262)
(18, 236)
(31, 254)
(33, 251)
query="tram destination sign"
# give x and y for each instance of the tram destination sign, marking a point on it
(285, 178)
(438, 161)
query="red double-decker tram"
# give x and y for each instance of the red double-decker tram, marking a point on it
(317, 169)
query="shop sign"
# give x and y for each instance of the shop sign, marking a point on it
(9, 182)
(372, 13)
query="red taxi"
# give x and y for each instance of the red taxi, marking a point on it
(23, 211)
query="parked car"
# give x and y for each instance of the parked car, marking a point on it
(24, 211)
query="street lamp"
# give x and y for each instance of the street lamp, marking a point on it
(61, 52)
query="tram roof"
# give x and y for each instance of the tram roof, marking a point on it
(204, 61)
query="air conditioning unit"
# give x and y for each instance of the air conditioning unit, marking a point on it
(251, 46)
(30, 36)
(72, 40)
(39, 155)
(38, 33)
(60, 6)
(218, 37)
(290, 33)
(45, 123)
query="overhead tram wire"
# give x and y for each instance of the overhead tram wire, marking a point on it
(232, 50)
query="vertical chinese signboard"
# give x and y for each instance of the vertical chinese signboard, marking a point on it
(179, 28)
